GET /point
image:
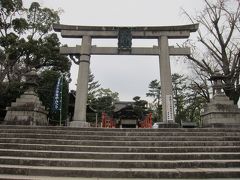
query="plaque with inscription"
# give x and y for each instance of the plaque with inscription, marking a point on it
(169, 108)
(124, 39)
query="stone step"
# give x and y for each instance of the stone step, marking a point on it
(32, 161)
(79, 148)
(64, 128)
(121, 172)
(118, 143)
(120, 138)
(22, 177)
(120, 155)
(117, 133)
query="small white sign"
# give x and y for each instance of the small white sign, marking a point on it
(169, 108)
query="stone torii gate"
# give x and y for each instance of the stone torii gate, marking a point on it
(125, 36)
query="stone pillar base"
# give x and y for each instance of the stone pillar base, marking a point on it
(80, 124)
(220, 112)
(222, 125)
(27, 110)
(168, 125)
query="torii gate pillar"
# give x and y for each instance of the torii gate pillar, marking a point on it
(166, 81)
(79, 117)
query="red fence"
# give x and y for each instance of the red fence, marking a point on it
(147, 122)
(107, 122)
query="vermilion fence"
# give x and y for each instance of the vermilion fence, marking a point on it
(147, 122)
(107, 122)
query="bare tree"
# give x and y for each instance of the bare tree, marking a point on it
(218, 36)
(200, 82)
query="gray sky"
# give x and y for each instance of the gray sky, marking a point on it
(127, 75)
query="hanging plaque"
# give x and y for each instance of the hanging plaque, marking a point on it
(124, 39)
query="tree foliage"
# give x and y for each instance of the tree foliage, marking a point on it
(154, 91)
(156, 105)
(179, 96)
(188, 101)
(104, 101)
(26, 42)
(219, 48)
(92, 87)
(140, 107)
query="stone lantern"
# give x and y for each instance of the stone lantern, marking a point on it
(28, 109)
(220, 111)
(31, 80)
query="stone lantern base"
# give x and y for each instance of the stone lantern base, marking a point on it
(221, 112)
(27, 110)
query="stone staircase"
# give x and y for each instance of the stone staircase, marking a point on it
(119, 153)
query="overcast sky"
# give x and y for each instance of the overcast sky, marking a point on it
(127, 75)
